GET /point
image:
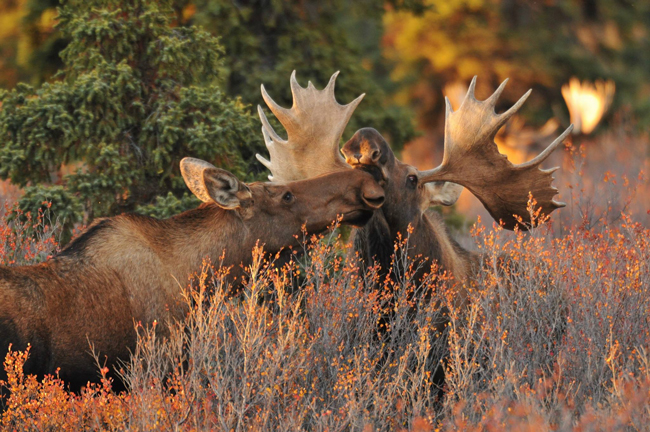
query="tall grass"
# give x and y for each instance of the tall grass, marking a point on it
(556, 336)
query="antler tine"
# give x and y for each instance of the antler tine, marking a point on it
(448, 112)
(295, 87)
(329, 89)
(472, 159)
(492, 100)
(503, 118)
(314, 126)
(547, 151)
(269, 143)
(277, 110)
(269, 133)
(470, 90)
(266, 163)
(448, 108)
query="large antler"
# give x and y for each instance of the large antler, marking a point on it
(314, 126)
(471, 158)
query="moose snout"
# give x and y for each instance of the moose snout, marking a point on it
(354, 159)
(373, 196)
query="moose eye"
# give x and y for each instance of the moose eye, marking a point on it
(412, 180)
(287, 198)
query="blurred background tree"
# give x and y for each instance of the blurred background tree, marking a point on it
(264, 41)
(29, 43)
(539, 45)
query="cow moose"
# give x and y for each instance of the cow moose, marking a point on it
(128, 268)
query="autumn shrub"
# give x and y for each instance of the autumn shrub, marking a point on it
(555, 337)
(557, 333)
(26, 238)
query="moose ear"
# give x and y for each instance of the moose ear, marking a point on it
(212, 184)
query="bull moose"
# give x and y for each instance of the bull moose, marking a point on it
(128, 268)
(471, 159)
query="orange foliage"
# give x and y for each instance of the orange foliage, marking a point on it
(25, 239)
(553, 339)
(46, 405)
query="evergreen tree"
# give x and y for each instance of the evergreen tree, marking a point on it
(136, 94)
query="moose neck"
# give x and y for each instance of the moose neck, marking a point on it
(208, 232)
(426, 239)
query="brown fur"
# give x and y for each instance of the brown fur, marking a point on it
(130, 268)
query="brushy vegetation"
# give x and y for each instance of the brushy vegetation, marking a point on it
(25, 239)
(556, 336)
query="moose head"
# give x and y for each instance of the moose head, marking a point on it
(471, 159)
